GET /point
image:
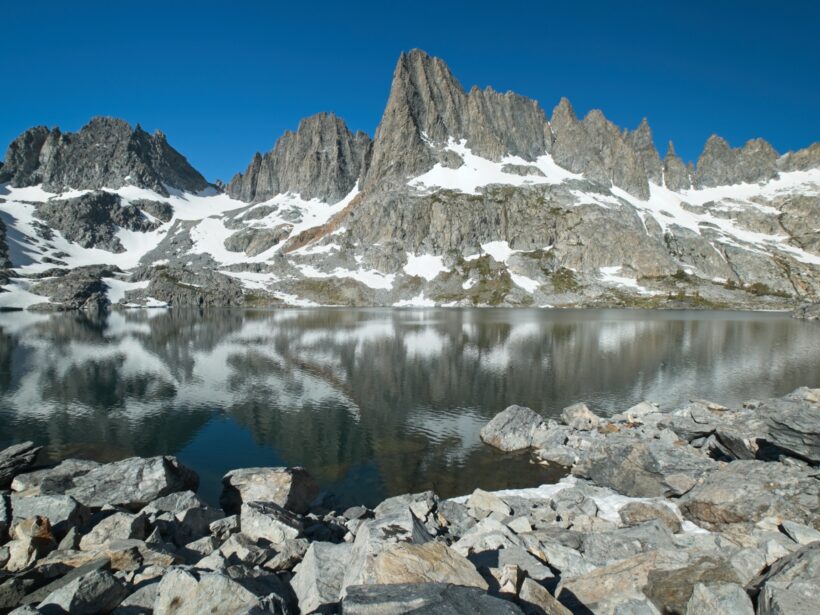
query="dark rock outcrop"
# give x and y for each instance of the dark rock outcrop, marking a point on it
(93, 219)
(15, 460)
(105, 153)
(675, 172)
(79, 289)
(322, 159)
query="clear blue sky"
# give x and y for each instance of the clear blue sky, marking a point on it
(225, 79)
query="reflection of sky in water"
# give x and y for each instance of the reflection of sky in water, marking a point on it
(371, 401)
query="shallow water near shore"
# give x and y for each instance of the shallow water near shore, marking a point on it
(373, 402)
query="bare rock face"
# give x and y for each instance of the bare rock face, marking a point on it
(622, 165)
(719, 164)
(16, 459)
(801, 160)
(573, 147)
(642, 143)
(322, 159)
(427, 106)
(105, 153)
(675, 172)
(291, 488)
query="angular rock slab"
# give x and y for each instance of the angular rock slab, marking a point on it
(319, 578)
(747, 491)
(267, 521)
(431, 562)
(291, 488)
(133, 483)
(427, 598)
(643, 468)
(63, 511)
(15, 460)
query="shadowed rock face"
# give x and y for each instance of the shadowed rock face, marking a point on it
(675, 172)
(322, 159)
(105, 153)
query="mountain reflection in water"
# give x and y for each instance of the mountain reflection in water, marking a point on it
(373, 402)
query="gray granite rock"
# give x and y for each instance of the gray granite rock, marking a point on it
(105, 153)
(728, 598)
(291, 488)
(82, 288)
(96, 592)
(512, 429)
(62, 473)
(15, 460)
(675, 173)
(187, 591)
(269, 521)
(428, 598)
(132, 483)
(62, 511)
(322, 159)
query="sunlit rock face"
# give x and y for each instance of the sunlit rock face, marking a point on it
(463, 197)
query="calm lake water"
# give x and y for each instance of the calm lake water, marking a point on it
(373, 402)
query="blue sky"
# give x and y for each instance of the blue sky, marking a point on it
(225, 79)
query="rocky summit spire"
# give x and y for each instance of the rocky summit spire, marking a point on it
(322, 159)
(642, 143)
(720, 164)
(427, 106)
(675, 172)
(105, 153)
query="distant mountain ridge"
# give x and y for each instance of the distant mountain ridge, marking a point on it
(462, 197)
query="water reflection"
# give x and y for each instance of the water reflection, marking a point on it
(372, 402)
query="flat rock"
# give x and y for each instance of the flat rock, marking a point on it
(432, 562)
(723, 598)
(268, 521)
(427, 598)
(642, 468)
(62, 473)
(536, 600)
(512, 429)
(291, 488)
(186, 591)
(748, 491)
(671, 589)
(132, 483)
(487, 502)
(801, 534)
(794, 427)
(634, 513)
(15, 460)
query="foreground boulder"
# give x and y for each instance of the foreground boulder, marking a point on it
(512, 429)
(186, 591)
(132, 483)
(428, 598)
(291, 488)
(16, 459)
(96, 592)
(748, 491)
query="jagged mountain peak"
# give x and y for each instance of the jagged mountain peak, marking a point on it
(322, 159)
(721, 164)
(105, 153)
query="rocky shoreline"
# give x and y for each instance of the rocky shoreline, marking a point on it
(701, 509)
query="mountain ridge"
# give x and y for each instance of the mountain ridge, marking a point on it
(568, 210)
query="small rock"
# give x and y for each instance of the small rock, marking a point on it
(536, 600)
(119, 526)
(487, 502)
(268, 521)
(31, 539)
(579, 416)
(223, 528)
(520, 525)
(801, 534)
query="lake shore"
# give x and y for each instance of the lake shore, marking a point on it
(685, 511)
